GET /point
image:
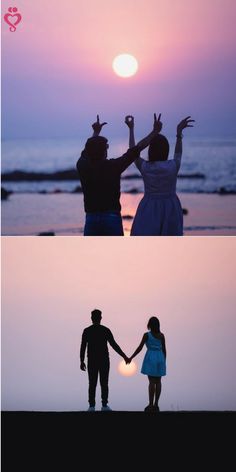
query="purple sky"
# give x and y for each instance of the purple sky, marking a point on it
(51, 285)
(57, 66)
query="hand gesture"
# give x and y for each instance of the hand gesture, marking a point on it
(157, 125)
(129, 121)
(126, 359)
(83, 366)
(184, 124)
(97, 126)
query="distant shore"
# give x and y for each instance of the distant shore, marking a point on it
(26, 214)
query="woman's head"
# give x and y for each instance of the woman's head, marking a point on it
(153, 324)
(96, 148)
(159, 148)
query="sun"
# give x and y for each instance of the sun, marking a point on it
(127, 369)
(125, 65)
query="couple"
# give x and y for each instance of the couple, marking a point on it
(159, 212)
(95, 339)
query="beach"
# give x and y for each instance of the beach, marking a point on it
(31, 214)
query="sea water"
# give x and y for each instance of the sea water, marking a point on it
(208, 165)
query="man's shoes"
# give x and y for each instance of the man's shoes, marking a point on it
(91, 409)
(106, 408)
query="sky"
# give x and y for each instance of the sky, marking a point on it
(57, 66)
(51, 285)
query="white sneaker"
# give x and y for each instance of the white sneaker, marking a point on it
(91, 408)
(106, 408)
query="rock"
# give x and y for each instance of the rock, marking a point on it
(127, 217)
(77, 190)
(185, 211)
(224, 191)
(47, 233)
(5, 193)
(133, 190)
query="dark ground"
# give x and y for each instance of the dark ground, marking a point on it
(68, 441)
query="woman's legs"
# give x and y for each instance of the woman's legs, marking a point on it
(157, 390)
(151, 390)
(154, 392)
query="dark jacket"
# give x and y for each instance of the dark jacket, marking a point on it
(100, 181)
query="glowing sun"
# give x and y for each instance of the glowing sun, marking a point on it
(125, 65)
(127, 369)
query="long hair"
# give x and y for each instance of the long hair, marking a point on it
(159, 148)
(154, 324)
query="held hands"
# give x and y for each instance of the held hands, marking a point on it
(97, 126)
(157, 125)
(129, 121)
(184, 124)
(83, 366)
(127, 359)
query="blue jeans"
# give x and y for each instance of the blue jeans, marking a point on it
(103, 224)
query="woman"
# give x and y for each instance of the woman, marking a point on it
(159, 213)
(154, 362)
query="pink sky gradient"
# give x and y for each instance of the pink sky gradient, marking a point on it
(50, 286)
(57, 66)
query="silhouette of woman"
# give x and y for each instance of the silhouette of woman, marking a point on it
(159, 212)
(154, 362)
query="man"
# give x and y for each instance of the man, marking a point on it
(100, 181)
(95, 339)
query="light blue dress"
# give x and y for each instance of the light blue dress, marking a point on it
(154, 362)
(159, 212)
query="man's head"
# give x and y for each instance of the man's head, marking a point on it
(96, 148)
(158, 149)
(96, 316)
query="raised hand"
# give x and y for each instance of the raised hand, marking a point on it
(97, 126)
(129, 121)
(184, 124)
(157, 125)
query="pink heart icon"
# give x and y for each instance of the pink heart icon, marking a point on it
(12, 20)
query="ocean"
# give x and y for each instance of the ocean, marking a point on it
(208, 165)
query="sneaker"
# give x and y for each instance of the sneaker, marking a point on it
(106, 408)
(91, 408)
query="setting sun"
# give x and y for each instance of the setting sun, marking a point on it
(125, 65)
(127, 369)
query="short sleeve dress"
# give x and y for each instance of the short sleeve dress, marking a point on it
(159, 212)
(154, 363)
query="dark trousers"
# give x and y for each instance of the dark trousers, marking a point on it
(102, 368)
(103, 224)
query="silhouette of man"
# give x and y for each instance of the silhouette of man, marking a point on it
(100, 181)
(95, 338)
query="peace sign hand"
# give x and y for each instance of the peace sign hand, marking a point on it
(157, 125)
(97, 126)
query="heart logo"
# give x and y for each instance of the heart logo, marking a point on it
(12, 18)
